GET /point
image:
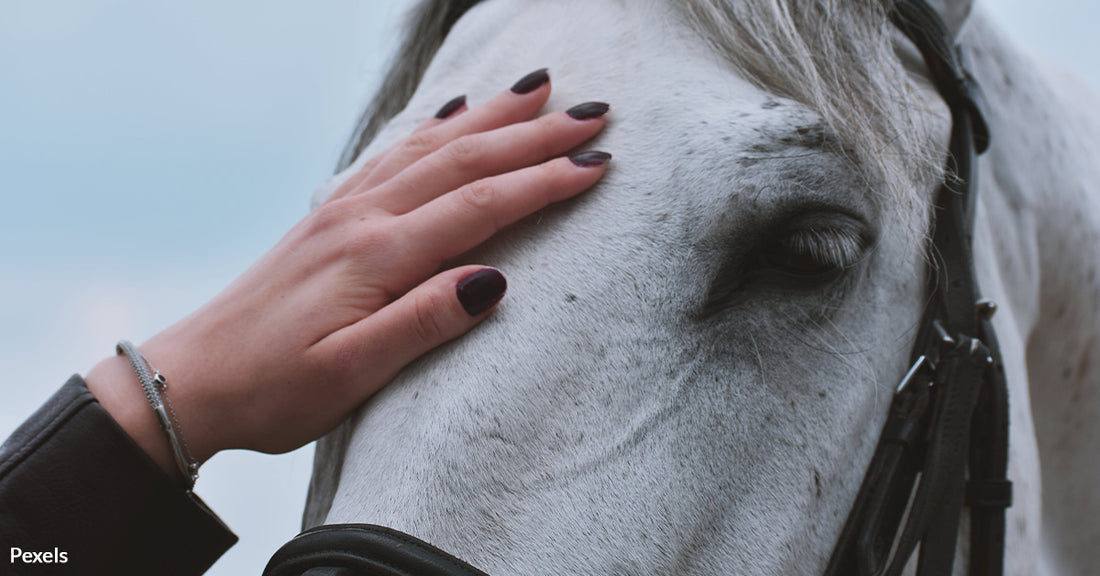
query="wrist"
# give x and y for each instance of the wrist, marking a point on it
(116, 387)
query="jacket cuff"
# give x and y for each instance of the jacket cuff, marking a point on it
(72, 481)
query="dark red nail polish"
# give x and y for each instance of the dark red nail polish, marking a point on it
(531, 81)
(480, 290)
(587, 159)
(588, 110)
(451, 107)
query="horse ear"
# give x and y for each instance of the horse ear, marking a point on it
(953, 12)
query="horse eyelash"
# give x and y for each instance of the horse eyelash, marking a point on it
(840, 247)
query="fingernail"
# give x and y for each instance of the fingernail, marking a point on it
(588, 110)
(531, 81)
(478, 291)
(451, 107)
(587, 159)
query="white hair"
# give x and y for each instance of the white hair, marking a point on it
(834, 56)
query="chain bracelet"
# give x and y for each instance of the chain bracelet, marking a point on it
(155, 386)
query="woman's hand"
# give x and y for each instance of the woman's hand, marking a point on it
(348, 297)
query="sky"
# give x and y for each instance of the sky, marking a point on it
(150, 151)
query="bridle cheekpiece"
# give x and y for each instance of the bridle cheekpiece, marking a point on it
(945, 441)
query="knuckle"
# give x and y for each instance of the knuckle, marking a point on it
(419, 144)
(341, 363)
(329, 215)
(429, 318)
(325, 218)
(404, 186)
(465, 150)
(479, 196)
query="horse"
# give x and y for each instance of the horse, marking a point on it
(695, 360)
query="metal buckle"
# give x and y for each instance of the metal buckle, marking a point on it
(913, 370)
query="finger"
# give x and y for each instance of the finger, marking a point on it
(476, 156)
(452, 108)
(460, 220)
(517, 104)
(444, 307)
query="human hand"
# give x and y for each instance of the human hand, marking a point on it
(347, 298)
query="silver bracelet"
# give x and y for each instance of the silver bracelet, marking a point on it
(155, 386)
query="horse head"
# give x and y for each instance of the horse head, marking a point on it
(695, 359)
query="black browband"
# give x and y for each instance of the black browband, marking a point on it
(945, 441)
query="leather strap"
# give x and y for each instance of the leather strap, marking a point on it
(957, 371)
(363, 550)
(924, 27)
(989, 492)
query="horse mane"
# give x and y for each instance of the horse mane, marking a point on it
(426, 27)
(834, 56)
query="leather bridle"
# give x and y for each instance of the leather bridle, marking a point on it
(947, 429)
(945, 441)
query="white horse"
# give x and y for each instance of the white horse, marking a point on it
(695, 358)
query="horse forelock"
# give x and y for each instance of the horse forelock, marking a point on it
(836, 57)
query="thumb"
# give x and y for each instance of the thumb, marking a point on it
(443, 308)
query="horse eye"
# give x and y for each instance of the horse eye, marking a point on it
(798, 254)
(799, 265)
(815, 251)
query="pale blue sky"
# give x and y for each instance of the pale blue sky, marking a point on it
(150, 151)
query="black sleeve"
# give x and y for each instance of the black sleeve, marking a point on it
(79, 495)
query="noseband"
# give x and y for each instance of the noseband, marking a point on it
(945, 442)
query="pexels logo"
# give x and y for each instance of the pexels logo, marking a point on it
(18, 556)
